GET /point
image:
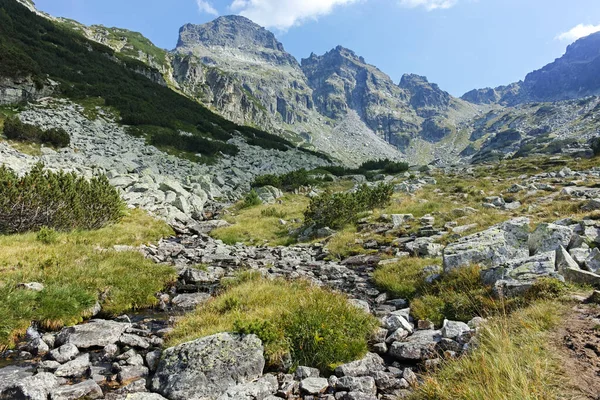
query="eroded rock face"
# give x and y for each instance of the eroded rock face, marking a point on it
(206, 368)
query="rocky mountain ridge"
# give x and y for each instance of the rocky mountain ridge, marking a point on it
(572, 76)
(339, 104)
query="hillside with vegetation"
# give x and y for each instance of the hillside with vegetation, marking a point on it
(152, 249)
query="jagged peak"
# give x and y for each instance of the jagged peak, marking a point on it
(229, 31)
(336, 52)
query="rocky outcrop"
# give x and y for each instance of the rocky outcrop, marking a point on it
(23, 90)
(572, 76)
(206, 368)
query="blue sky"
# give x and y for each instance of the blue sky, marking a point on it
(459, 44)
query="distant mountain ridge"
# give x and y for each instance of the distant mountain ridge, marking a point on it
(574, 75)
(339, 104)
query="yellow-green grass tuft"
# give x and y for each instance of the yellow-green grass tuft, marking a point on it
(514, 361)
(317, 327)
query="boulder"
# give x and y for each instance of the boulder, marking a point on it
(206, 368)
(419, 346)
(64, 353)
(363, 367)
(490, 248)
(95, 334)
(76, 368)
(36, 387)
(454, 329)
(362, 384)
(260, 389)
(268, 194)
(549, 237)
(189, 301)
(314, 386)
(83, 390)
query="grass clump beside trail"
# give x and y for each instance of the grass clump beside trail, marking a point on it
(55, 200)
(317, 327)
(513, 360)
(77, 269)
(458, 295)
(261, 224)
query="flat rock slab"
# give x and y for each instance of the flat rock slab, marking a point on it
(206, 368)
(95, 334)
(83, 390)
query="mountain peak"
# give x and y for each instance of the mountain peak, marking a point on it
(232, 31)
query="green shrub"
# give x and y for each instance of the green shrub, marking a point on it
(289, 182)
(55, 200)
(596, 146)
(14, 129)
(251, 200)
(47, 235)
(336, 210)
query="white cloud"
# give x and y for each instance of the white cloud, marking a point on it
(205, 7)
(578, 32)
(283, 14)
(428, 4)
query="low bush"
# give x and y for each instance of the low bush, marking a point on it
(251, 200)
(289, 182)
(336, 210)
(596, 146)
(272, 212)
(55, 200)
(47, 235)
(14, 129)
(314, 326)
(368, 167)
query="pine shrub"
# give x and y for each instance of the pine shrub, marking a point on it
(336, 210)
(14, 129)
(55, 200)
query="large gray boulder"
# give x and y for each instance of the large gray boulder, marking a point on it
(490, 248)
(206, 368)
(95, 334)
(363, 367)
(549, 237)
(83, 390)
(36, 387)
(419, 346)
(268, 194)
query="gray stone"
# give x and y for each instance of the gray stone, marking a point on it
(362, 384)
(13, 374)
(591, 205)
(549, 237)
(306, 372)
(96, 333)
(260, 389)
(564, 261)
(490, 248)
(86, 389)
(64, 353)
(363, 367)
(419, 346)
(314, 385)
(454, 329)
(36, 387)
(361, 304)
(76, 368)
(400, 220)
(33, 286)
(592, 262)
(134, 341)
(206, 368)
(268, 194)
(189, 301)
(132, 373)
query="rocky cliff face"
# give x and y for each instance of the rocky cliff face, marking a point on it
(574, 75)
(22, 90)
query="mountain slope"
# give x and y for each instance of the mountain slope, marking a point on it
(574, 75)
(49, 54)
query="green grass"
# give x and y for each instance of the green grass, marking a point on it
(261, 225)
(404, 278)
(77, 269)
(317, 327)
(514, 361)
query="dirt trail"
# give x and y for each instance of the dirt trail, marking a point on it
(578, 343)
